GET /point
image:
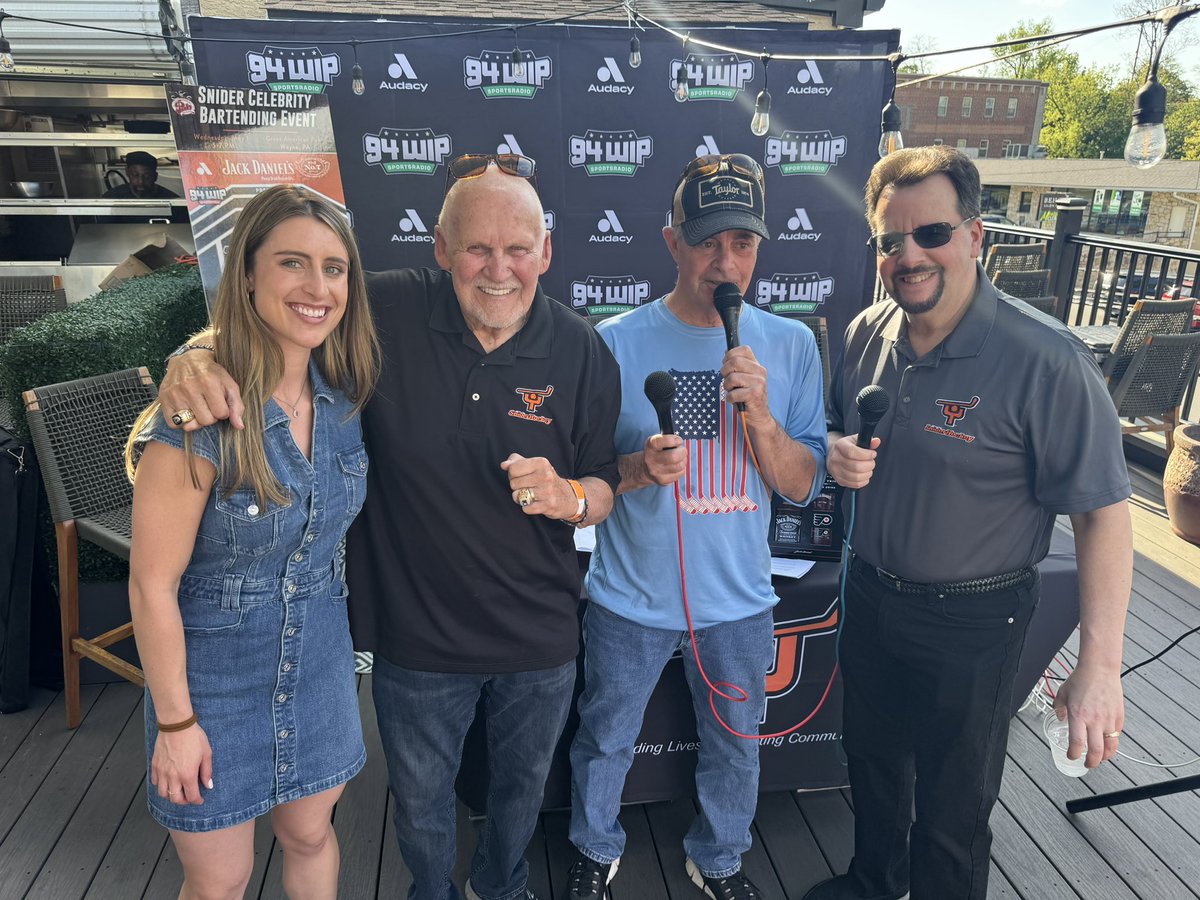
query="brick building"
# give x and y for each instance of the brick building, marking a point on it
(983, 117)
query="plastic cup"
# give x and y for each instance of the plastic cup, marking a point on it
(1058, 735)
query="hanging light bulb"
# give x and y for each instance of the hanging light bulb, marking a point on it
(635, 52)
(187, 73)
(7, 64)
(1147, 141)
(681, 82)
(518, 59)
(891, 140)
(356, 73)
(760, 123)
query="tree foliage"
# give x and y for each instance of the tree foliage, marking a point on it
(1088, 108)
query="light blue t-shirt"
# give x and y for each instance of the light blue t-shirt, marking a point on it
(724, 504)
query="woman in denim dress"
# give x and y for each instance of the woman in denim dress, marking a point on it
(237, 573)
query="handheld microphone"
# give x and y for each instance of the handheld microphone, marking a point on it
(728, 301)
(660, 391)
(872, 402)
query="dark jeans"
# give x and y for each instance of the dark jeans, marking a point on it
(928, 686)
(423, 720)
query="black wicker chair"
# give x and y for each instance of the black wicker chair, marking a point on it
(26, 298)
(1015, 258)
(1153, 385)
(1048, 305)
(1023, 284)
(1147, 317)
(79, 430)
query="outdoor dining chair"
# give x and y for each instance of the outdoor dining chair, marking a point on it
(79, 430)
(1048, 305)
(1146, 317)
(1023, 283)
(26, 298)
(1153, 386)
(1015, 258)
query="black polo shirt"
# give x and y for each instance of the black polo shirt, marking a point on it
(446, 573)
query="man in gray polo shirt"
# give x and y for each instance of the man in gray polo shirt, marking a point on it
(999, 421)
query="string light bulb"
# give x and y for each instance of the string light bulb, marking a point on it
(681, 81)
(7, 63)
(1147, 142)
(760, 122)
(518, 59)
(356, 73)
(890, 140)
(635, 52)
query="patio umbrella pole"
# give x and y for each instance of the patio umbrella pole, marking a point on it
(1128, 795)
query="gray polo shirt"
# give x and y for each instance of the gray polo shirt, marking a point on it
(990, 435)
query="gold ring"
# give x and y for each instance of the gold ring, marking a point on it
(182, 417)
(525, 496)
(1112, 734)
(174, 793)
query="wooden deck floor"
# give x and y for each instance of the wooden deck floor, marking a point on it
(73, 821)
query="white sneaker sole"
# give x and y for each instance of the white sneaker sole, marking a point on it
(697, 877)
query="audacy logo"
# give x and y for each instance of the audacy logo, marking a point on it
(610, 152)
(787, 293)
(607, 295)
(402, 70)
(413, 228)
(712, 76)
(810, 80)
(707, 146)
(805, 152)
(293, 70)
(610, 230)
(800, 228)
(493, 73)
(610, 78)
(510, 145)
(406, 151)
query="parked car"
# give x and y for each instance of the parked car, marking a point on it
(1136, 286)
(1183, 290)
(996, 219)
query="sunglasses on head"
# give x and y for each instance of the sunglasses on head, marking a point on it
(927, 237)
(703, 166)
(472, 165)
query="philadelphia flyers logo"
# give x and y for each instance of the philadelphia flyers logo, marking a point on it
(535, 398)
(954, 410)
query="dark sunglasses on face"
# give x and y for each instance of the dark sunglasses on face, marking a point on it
(703, 166)
(472, 165)
(927, 237)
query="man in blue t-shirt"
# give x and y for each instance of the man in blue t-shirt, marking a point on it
(714, 478)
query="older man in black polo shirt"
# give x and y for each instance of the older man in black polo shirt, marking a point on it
(999, 421)
(491, 435)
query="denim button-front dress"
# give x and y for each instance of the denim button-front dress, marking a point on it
(270, 664)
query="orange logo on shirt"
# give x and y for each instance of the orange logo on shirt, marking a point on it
(534, 398)
(954, 410)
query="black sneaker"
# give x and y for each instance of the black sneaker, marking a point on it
(588, 879)
(732, 887)
(471, 895)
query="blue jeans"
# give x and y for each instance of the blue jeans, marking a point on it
(423, 720)
(622, 664)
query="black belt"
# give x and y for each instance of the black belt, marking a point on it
(1017, 578)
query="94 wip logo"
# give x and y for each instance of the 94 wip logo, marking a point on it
(610, 152)
(406, 151)
(293, 70)
(805, 152)
(495, 74)
(711, 76)
(789, 293)
(606, 295)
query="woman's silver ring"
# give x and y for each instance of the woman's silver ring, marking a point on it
(525, 496)
(182, 417)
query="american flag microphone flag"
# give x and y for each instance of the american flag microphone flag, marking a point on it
(718, 454)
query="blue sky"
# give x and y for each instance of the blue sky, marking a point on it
(961, 23)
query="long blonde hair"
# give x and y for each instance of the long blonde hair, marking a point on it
(348, 359)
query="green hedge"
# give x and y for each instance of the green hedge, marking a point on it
(135, 323)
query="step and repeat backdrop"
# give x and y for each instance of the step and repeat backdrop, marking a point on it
(610, 140)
